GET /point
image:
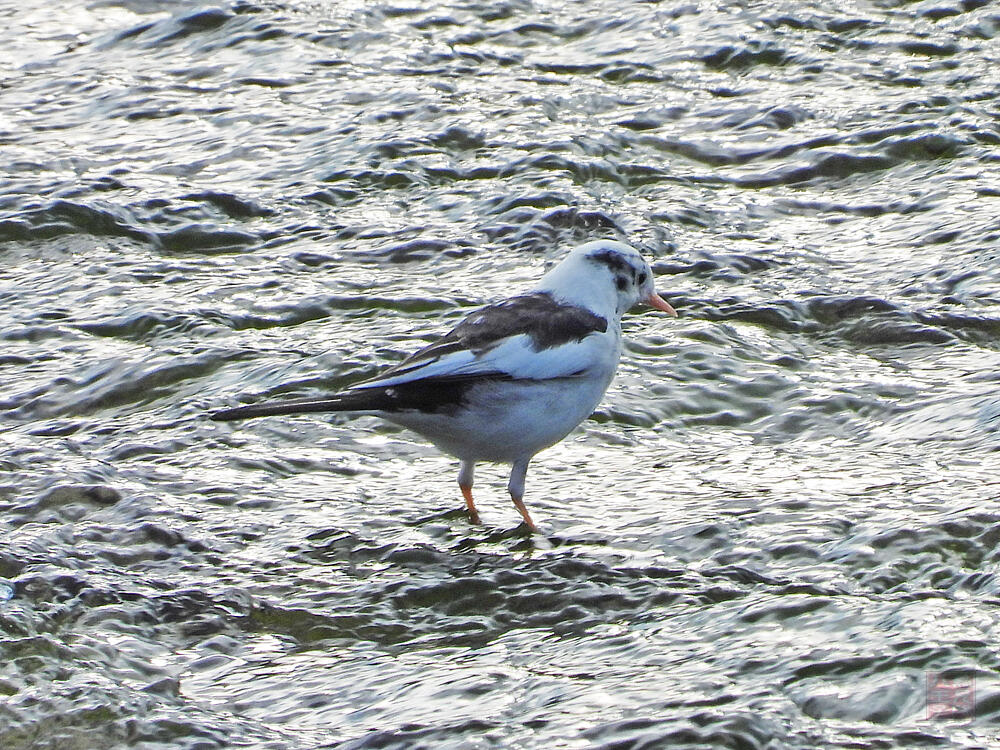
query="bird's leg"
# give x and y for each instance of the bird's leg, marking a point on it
(516, 488)
(465, 484)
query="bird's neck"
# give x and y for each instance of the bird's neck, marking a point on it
(584, 290)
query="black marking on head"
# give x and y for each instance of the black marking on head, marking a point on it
(610, 258)
(618, 264)
(546, 322)
(621, 282)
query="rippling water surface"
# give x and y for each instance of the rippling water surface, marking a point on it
(778, 530)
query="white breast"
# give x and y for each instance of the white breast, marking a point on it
(507, 420)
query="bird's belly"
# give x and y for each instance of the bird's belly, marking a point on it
(508, 420)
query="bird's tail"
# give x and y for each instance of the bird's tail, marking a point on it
(429, 395)
(360, 401)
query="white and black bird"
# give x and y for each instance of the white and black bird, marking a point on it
(512, 378)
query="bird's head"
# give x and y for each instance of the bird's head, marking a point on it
(606, 277)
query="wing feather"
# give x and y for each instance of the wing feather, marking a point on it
(528, 337)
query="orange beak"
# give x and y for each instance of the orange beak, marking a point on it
(655, 300)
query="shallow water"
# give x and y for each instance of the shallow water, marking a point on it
(779, 528)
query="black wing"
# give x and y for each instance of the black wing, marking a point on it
(545, 321)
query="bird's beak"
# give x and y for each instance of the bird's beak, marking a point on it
(655, 300)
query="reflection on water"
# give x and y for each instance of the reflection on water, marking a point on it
(779, 528)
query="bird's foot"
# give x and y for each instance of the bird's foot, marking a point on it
(519, 504)
(470, 504)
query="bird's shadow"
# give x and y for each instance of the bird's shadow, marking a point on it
(518, 538)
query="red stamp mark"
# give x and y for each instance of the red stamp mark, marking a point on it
(951, 697)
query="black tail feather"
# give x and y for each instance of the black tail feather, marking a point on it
(346, 402)
(429, 395)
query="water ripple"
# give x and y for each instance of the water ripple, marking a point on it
(778, 530)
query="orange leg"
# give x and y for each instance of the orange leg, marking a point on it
(467, 494)
(516, 489)
(465, 484)
(519, 504)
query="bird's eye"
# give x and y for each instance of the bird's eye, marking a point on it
(642, 277)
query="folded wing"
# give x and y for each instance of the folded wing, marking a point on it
(527, 337)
